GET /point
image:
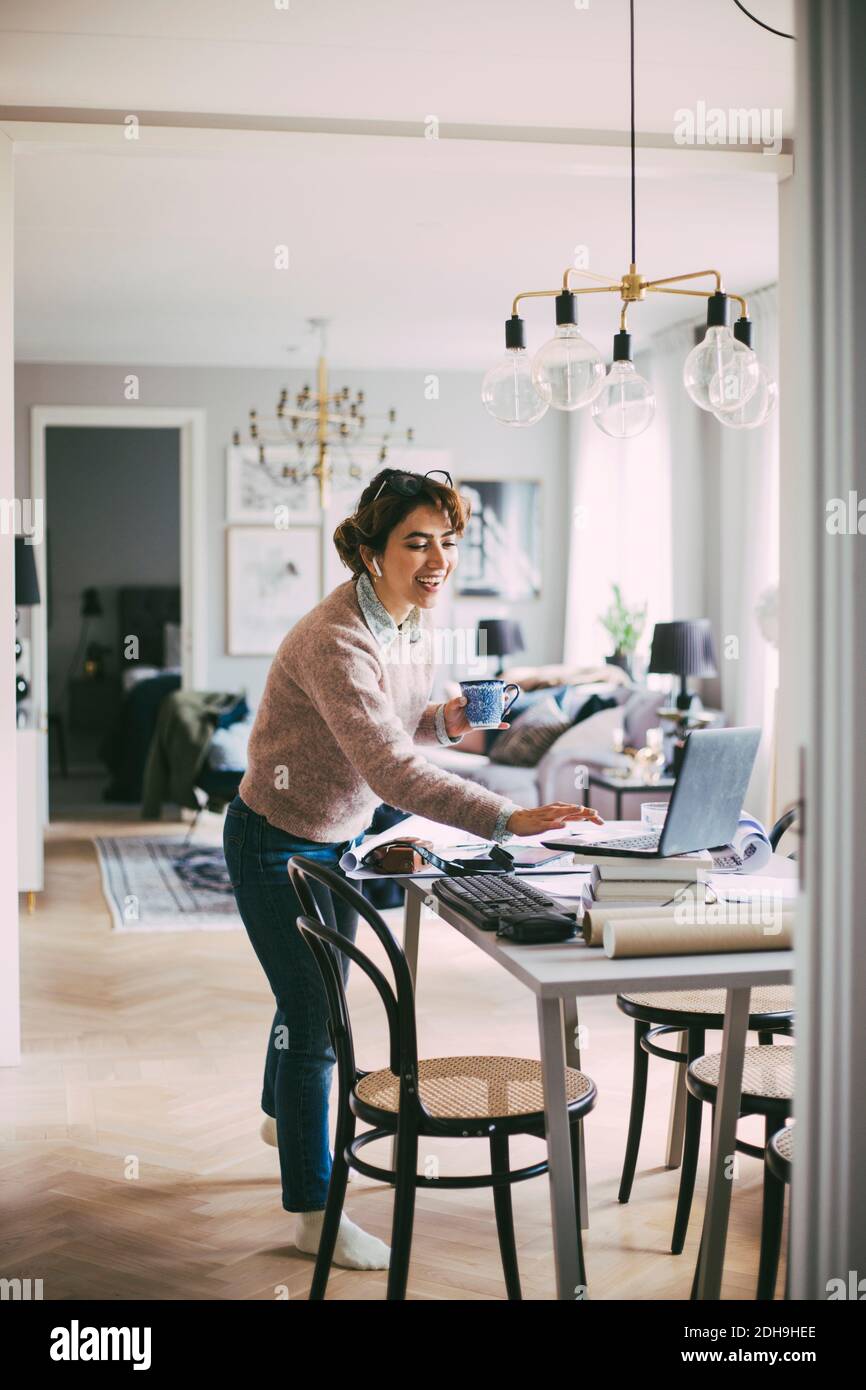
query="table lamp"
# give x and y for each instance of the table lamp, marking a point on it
(499, 637)
(683, 649)
(26, 596)
(26, 581)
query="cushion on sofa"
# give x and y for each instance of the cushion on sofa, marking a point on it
(581, 708)
(530, 736)
(525, 701)
(591, 741)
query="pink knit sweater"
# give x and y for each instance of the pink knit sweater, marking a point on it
(333, 735)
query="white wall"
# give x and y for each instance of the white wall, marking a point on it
(456, 421)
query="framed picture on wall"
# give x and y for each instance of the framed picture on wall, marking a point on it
(255, 489)
(273, 577)
(500, 555)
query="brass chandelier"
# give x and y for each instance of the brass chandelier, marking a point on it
(722, 374)
(322, 434)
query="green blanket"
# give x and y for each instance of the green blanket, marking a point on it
(184, 728)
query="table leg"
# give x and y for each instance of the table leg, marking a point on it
(411, 929)
(570, 1035)
(712, 1254)
(677, 1117)
(562, 1205)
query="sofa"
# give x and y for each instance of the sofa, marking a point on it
(583, 741)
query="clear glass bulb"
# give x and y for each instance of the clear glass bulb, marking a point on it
(757, 409)
(720, 373)
(508, 392)
(568, 371)
(626, 403)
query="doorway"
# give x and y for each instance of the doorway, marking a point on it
(121, 571)
(112, 605)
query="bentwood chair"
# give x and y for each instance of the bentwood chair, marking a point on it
(768, 1090)
(489, 1098)
(692, 1014)
(695, 1013)
(779, 1159)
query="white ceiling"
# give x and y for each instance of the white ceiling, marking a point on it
(162, 250)
(512, 62)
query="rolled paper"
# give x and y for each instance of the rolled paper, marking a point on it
(595, 917)
(752, 844)
(643, 935)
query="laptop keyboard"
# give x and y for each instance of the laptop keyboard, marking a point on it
(650, 841)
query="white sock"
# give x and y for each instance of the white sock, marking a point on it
(355, 1249)
(268, 1132)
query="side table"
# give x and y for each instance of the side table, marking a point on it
(621, 785)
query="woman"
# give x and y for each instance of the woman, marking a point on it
(345, 700)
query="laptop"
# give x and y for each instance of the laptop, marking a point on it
(705, 804)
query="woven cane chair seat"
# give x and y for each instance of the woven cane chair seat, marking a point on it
(768, 1072)
(783, 1143)
(456, 1088)
(769, 999)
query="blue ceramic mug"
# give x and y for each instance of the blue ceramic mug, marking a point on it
(486, 704)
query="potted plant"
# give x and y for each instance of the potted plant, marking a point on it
(625, 626)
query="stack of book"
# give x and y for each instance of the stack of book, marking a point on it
(647, 880)
(622, 883)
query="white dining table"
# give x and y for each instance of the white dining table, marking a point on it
(559, 974)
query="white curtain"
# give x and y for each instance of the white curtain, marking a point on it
(685, 519)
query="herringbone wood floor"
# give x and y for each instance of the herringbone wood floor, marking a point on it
(130, 1162)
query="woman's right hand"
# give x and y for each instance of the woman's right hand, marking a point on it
(552, 817)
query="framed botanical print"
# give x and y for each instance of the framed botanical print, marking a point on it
(254, 490)
(500, 556)
(273, 577)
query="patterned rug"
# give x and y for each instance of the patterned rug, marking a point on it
(157, 883)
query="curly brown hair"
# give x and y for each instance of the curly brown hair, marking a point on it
(372, 522)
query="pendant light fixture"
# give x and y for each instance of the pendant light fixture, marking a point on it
(722, 374)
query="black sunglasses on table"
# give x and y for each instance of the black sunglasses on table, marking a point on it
(410, 484)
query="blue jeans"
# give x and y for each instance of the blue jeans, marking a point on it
(300, 1058)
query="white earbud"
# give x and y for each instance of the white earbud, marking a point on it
(376, 568)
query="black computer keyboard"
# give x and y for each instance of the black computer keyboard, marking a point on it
(483, 898)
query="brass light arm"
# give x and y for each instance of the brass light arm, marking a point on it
(535, 294)
(590, 274)
(664, 289)
(622, 315)
(693, 275)
(702, 294)
(530, 294)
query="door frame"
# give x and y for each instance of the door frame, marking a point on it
(190, 422)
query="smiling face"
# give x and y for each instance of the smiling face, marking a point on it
(419, 556)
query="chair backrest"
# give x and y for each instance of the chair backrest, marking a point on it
(782, 824)
(325, 941)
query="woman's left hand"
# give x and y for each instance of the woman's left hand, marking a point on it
(456, 722)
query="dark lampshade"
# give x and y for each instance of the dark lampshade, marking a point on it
(502, 636)
(499, 637)
(683, 649)
(26, 582)
(91, 603)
